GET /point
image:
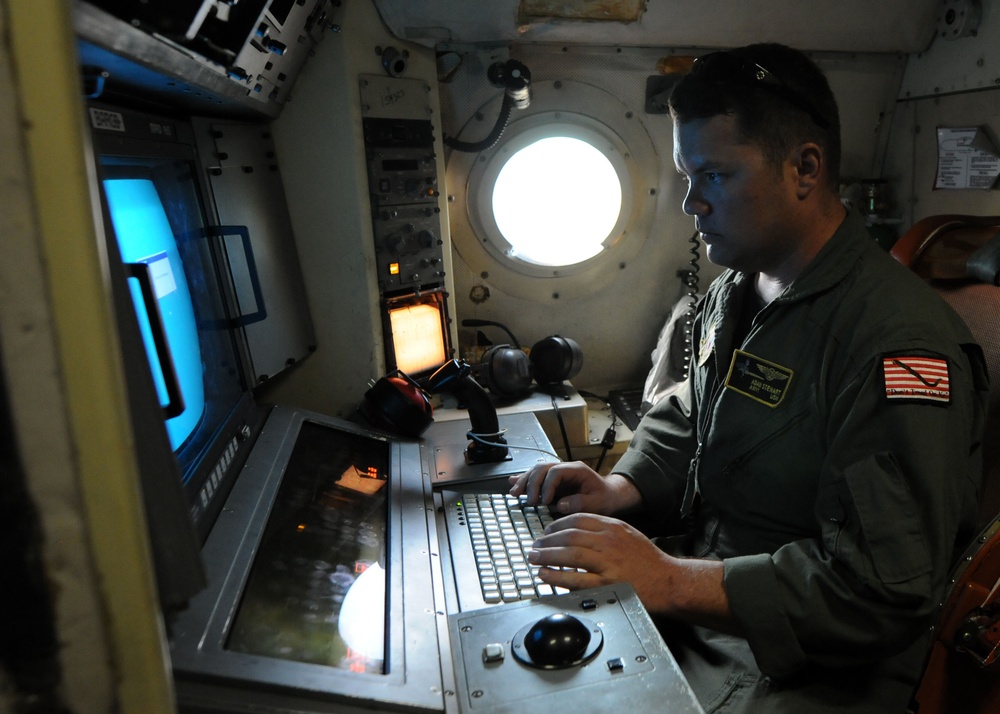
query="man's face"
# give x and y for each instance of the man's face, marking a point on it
(742, 205)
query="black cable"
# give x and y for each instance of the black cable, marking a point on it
(690, 279)
(610, 434)
(474, 322)
(562, 428)
(492, 138)
(608, 441)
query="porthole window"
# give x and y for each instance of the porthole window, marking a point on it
(556, 201)
(562, 201)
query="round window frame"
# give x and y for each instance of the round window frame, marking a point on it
(536, 128)
(567, 108)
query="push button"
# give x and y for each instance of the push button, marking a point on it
(493, 653)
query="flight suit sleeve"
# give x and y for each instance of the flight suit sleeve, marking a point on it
(659, 456)
(896, 493)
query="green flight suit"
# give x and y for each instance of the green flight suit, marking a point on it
(831, 458)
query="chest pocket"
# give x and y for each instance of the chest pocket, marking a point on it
(764, 461)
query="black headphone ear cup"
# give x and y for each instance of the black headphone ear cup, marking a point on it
(555, 359)
(506, 371)
(395, 405)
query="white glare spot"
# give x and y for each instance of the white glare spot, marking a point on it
(556, 201)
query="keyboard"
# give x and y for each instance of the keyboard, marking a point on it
(490, 535)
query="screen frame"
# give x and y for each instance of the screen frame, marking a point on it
(435, 298)
(412, 670)
(124, 143)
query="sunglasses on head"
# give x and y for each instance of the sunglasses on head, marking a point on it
(727, 68)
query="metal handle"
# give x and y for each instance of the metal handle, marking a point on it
(175, 403)
(258, 295)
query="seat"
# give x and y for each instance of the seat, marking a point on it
(938, 249)
(958, 256)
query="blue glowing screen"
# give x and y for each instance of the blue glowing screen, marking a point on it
(144, 236)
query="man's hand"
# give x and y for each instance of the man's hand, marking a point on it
(608, 550)
(574, 487)
(611, 551)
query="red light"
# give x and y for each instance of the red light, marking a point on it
(356, 662)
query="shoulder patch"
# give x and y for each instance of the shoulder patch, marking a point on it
(917, 378)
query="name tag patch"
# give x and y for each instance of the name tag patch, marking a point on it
(762, 381)
(920, 378)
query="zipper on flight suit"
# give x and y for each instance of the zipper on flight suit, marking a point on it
(692, 493)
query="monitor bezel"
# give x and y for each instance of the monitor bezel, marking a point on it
(412, 674)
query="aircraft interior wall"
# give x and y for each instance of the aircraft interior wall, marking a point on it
(955, 83)
(614, 312)
(893, 97)
(321, 151)
(617, 314)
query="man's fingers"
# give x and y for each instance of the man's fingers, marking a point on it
(529, 484)
(569, 579)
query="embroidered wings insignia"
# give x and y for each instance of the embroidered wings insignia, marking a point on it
(771, 374)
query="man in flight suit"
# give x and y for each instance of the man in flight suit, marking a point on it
(820, 473)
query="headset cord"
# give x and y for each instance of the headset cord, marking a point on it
(690, 279)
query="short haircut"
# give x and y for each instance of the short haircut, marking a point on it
(779, 97)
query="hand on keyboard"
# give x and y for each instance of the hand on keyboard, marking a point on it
(574, 487)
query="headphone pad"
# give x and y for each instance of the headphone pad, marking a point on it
(555, 359)
(506, 371)
(398, 406)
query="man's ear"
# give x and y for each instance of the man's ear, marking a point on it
(808, 161)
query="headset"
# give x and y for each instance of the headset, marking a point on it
(508, 372)
(555, 359)
(396, 403)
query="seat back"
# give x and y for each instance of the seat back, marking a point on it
(938, 249)
(963, 668)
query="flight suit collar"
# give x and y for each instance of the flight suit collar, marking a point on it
(834, 260)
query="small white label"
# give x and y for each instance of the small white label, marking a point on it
(162, 274)
(103, 119)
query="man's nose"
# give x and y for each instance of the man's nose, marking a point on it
(693, 204)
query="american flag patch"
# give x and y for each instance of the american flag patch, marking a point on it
(924, 378)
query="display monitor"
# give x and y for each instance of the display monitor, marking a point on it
(157, 212)
(324, 531)
(416, 329)
(316, 592)
(147, 243)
